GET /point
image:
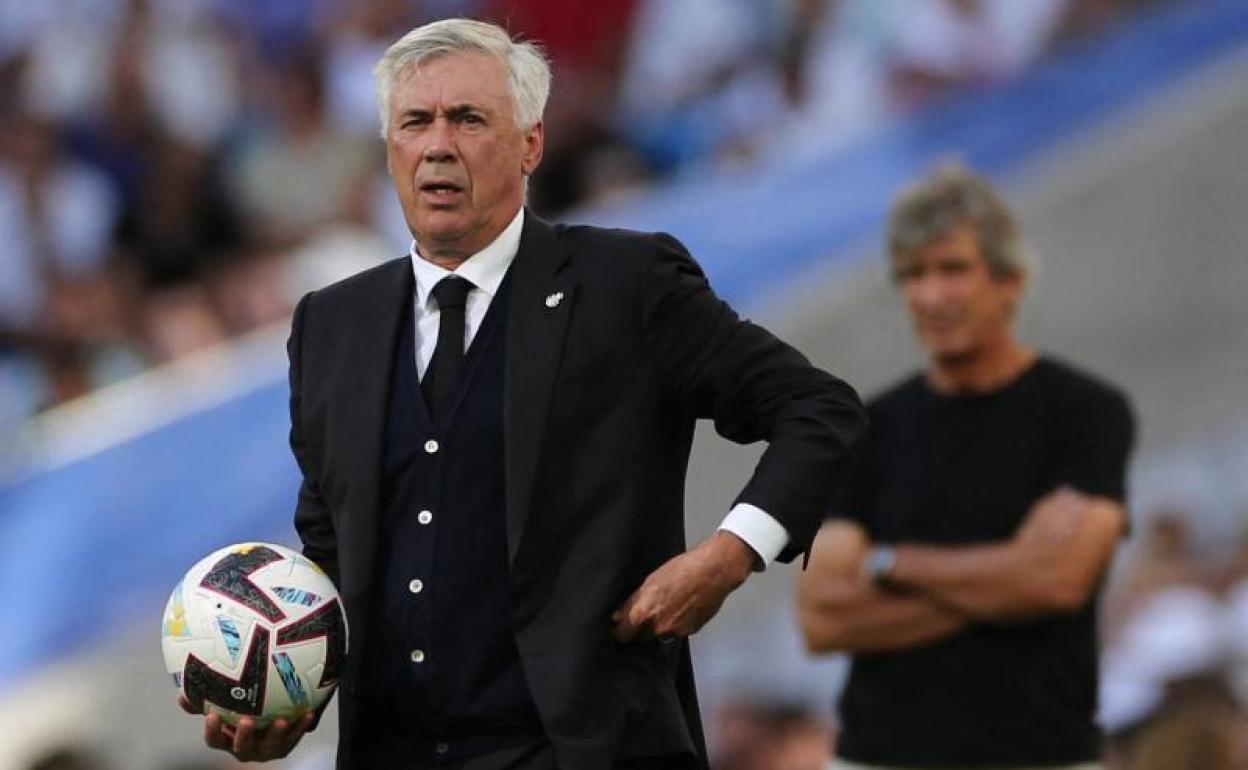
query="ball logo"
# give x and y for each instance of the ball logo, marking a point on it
(239, 693)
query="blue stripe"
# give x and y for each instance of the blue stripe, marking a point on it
(89, 546)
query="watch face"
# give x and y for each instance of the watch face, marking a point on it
(881, 563)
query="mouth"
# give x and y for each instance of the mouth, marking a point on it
(440, 190)
(938, 325)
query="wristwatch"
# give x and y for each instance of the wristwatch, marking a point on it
(881, 560)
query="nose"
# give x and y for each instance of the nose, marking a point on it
(926, 292)
(441, 146)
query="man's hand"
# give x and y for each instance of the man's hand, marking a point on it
(842, 609)
(247, 742)
(679, 597)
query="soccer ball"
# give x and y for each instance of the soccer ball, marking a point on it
(255, 629)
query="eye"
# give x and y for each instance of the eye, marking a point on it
(907, 274)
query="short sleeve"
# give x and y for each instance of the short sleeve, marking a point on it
(1098, 441)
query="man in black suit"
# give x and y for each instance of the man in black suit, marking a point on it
(493, 434)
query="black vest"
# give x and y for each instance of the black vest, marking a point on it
(442, 676)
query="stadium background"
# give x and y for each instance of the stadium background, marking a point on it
(175, 173)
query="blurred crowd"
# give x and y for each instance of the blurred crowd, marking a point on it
(174, 173)
(1174, 690)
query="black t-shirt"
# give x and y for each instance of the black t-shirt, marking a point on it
(957, 470)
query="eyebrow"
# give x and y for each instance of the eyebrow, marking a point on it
(454, 111)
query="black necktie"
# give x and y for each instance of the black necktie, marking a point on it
(451, 294)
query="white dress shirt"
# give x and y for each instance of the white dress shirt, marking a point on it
(486, 270)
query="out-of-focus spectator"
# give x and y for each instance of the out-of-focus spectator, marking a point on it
(1163, 557)
(274, 28)
(1199, 727)
(1175, 633)
(586, 44)
(1175, 673)
(179, 229)
(749, 734)
(188, 66)
(355, 38)
(67, 44)
(119, 135)
(56, 220)
(960, 43)
(738, 734)
(800, 740)
(58, 307)
(700, 77)
(297, 173)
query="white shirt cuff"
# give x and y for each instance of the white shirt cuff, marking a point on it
(758, 529)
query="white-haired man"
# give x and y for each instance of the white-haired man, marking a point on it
(981, 513)
(493, 433)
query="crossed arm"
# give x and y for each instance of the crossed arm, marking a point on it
(1051, 565)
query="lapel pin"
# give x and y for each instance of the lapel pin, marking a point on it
(553, 300)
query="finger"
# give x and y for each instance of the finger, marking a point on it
(624, 629)
(245, 739)
(213, 737)
(273, 741)
(300, 727)
(645, 614)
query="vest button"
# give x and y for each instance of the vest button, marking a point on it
(424, 517)
(418, 656)
(442, 747)
(416, 586)
(431, 447)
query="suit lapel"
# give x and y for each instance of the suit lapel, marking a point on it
(370, 373)
(537, 322)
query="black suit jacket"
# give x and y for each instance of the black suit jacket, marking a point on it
(601, 392)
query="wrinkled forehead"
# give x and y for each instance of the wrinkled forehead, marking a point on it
(454, 78)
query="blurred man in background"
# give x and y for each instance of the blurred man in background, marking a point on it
(493, 433)
(964, 558)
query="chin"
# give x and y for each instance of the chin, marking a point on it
(439, 229)
(950, 354)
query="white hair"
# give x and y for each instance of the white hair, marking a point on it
(528, 72)
(952, 195)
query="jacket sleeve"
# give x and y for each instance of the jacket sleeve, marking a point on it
(313, 521)
(754, 387)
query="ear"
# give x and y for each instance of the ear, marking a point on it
(534, 144)
(1013, 283)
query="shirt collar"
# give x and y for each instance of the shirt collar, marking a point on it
(485, 269)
